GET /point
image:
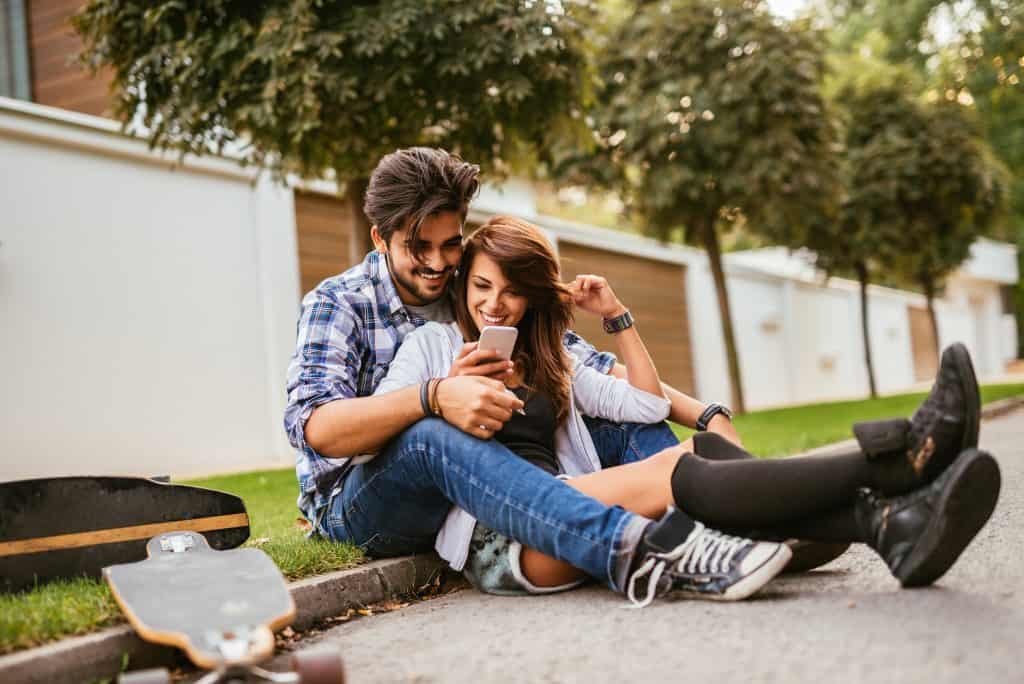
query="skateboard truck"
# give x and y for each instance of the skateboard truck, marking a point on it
(176, 543)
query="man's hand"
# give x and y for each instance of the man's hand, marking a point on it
(479, 362)
(723, 426)
(593, 294)
(478, 406)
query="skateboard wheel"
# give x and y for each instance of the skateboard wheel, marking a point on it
(319, 666)
(157, 675)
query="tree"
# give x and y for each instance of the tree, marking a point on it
(714, 110)
(978, 64)
(877, 105)
(324, 89)
(951, 190)
(993, 74)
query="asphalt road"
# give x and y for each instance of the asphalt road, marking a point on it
(847, 622)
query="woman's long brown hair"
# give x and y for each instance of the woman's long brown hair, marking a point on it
(528, 261)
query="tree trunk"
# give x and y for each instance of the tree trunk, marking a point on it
(862, 278)
(709, 236)
(928, 284)
(359, 242)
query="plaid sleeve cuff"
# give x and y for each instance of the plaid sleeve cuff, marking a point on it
(587, 354)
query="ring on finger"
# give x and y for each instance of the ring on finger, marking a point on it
(485, 428)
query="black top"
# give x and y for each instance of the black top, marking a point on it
(532, 436)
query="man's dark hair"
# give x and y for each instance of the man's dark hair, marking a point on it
(412, 184)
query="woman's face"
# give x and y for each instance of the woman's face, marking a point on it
(490, 297)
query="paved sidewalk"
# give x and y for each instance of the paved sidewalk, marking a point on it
(847, 622)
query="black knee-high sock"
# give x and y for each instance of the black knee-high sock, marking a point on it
(758, 494)
(714, 447)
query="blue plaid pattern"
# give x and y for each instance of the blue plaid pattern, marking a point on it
(350, 327)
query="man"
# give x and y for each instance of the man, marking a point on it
(394, 502)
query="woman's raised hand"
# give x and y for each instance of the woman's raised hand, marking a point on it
(593, 294)
(474, 361)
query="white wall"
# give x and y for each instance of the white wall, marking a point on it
(759, 317)
(891, 352)
(148, 311)
(971, 312)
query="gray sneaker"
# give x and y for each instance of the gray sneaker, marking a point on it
(692, 561)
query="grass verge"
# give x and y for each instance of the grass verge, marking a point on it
(781, 432)
(80, 606)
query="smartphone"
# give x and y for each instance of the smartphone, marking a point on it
(499, 337)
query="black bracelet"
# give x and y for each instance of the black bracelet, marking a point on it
(425, 400)
(713, 409)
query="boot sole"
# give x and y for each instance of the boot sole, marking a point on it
(963, 509)
(969, 385)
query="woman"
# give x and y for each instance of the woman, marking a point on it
(509, 276)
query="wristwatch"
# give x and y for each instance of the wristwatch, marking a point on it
(618, 324)
(710, 412)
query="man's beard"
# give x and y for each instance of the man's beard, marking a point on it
(414, 286)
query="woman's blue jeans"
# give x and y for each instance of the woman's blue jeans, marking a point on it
(396, 503)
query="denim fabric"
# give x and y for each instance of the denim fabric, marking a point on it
(621, 443)
(396, 503)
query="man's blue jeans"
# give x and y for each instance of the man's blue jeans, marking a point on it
(396, 503)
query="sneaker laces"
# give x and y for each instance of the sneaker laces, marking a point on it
(704, 552)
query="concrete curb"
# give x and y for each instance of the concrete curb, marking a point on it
(989, 411)
(99, 655)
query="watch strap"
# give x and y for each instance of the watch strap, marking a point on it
(712, 410)
(619, 323)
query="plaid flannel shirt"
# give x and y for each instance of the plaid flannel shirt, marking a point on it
(350, 327)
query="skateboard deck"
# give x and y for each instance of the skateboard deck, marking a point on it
(220, 607)
(75, 526)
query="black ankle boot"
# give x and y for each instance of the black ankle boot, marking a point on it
(920, 535)
(905, 454)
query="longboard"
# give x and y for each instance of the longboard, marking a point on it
(220, 607)
(75, 526)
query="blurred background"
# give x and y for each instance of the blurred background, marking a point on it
(801, 201)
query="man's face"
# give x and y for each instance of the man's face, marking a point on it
(439, 248)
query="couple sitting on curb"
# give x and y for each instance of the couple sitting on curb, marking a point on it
(536, 473)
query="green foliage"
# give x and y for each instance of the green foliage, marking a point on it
(876, 108)
(990, 66)
(715, 109)
(979, 65)
(326, 88)
(949, 191)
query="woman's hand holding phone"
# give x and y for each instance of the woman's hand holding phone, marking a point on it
(484, 362)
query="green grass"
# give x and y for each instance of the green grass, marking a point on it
(270, 498)
(780, 432)
(81, 606)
